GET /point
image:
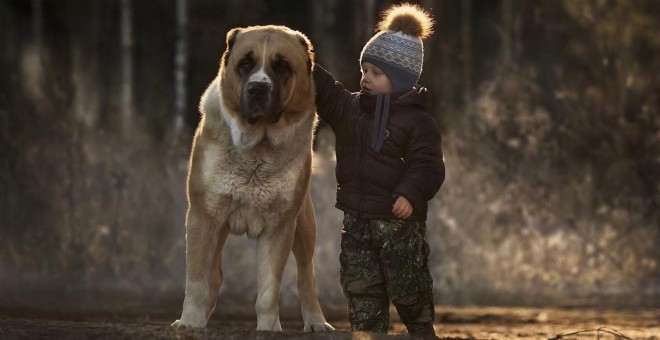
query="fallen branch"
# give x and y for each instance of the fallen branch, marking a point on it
(607, 330)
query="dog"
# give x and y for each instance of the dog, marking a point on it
(250, 172)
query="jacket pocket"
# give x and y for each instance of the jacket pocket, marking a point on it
(384, 171)
(395, 143)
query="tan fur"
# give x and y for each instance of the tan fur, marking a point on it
(254, 180)
(407, 18)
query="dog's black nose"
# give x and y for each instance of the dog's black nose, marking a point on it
(257, 89)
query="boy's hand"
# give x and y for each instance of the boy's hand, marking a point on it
(402, 207)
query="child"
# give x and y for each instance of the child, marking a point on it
(389, 165)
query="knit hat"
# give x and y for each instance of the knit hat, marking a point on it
(397, 49)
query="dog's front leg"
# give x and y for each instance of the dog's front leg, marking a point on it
(204, 243)
(303, 249)
(274, 248)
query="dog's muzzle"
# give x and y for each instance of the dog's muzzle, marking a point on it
(258, 102)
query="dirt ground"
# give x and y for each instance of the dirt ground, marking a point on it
(140, 322)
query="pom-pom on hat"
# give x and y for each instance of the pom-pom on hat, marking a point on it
(397, 48)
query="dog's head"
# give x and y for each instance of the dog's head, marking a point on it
(266, 74)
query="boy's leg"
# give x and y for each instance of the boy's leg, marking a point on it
(362, 278)
(409, 282)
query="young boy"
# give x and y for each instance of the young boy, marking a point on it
(389, 165)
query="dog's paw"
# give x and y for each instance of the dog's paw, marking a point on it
(182, 324)
(273, 326)
(192, 317)
(319, 327)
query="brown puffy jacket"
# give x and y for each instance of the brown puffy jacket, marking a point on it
(383, 151)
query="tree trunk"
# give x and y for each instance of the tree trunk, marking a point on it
(507, 31)
(37, 25)
(36, 60)
(437, 57)
(180, 64)
(5, 176)
(466, 30)
(126, 22)
(363, 21)
(361, 16)
(85, 65)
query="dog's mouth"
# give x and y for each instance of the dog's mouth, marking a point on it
(256, 113)
(259, 113)
(252, 120)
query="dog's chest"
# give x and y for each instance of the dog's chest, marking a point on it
(261, 187)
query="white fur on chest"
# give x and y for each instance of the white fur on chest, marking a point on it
(257, 181)
(261, 189)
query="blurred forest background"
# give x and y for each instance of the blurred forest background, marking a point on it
(549, 112)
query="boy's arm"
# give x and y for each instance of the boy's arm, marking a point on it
(332, 99)
(425, 170)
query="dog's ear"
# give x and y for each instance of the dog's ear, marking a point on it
(232, 35)
(310, 51)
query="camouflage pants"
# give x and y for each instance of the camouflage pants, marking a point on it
(382, 260)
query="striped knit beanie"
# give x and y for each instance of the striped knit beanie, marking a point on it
(397, 48)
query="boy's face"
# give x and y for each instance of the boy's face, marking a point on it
(374, 81)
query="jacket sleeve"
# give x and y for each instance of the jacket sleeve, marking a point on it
(425, 167)
(332, 99)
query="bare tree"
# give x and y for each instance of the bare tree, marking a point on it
(180, 64)
(126, 21)
(37, 25)
(33, 69)
(364, 20)
(506, 32)
(85, 67)
(466, 29)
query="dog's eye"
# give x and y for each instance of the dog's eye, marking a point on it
(281, 67)
(245, 65)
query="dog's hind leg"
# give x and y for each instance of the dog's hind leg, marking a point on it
(274, 248)
(303, 250)
(204, 243)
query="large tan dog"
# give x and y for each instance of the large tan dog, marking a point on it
(250, 172)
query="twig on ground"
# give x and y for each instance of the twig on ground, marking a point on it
(607, 330)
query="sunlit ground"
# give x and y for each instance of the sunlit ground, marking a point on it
(238, 323)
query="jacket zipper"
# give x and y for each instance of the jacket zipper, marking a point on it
(361, 164)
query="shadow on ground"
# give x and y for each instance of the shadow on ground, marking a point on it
(134, 319)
